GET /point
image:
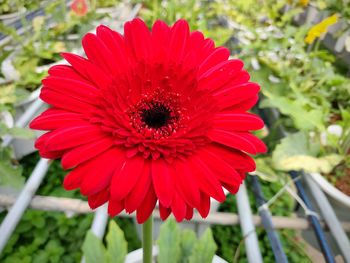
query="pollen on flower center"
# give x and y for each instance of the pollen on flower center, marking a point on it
(156, 115)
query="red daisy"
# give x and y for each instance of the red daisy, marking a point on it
(150, 116)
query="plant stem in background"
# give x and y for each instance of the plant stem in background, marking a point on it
(147, 240)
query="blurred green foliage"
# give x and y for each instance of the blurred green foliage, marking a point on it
(53, 236)
(231, 243)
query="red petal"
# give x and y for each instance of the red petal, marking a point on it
(206, 49)
(179, 34)
(221, 168)
(53, 119)
(259, 144)
(88, 70)
(114, 42)
(189, 213)
(98, 53)
(137, 195)
(74, 178)
(73, 136)
(126, 178)
(99, 171)
(51, 154)
(164, 212)
(232, 188)
(235, 158)
(135, 33)
(237, 122)
(66, 71)
(234, 140)
(162, 181)
(59, 100)
(85, 152)
(145, 210)
(220, 75)
(207, 180)
(76, 89)
(41, 141)
(98, 199)
(219, 55)
(236, 94)
(178, 206)
(204, 207)
(115, 207)
(186, 182)
(244, 105)
(160, 40)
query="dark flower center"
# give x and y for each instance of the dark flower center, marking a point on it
(156, 116)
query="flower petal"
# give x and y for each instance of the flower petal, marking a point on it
(219, 55)
(98, 199)
(115, 207)
(179, 34)
(220, 75)
(85, 152)
(88, 70)
(237, 122)
(186, 183)
(234, 95)
(207, 180)
(145, 210)
(61, 101)
(53, 119)
(136, 32)
(98, 175)
(126, 178)
(178, 207)
(204, 206)
(162, 181)
(164, 212)
(73, 136)
(137, 195)
(99, 54)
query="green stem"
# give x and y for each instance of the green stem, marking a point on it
(147, 240)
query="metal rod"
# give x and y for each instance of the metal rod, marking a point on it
(330, 217)
(321, 238)
(247, 226)
(77, 206)
(14, 215)
(265, 214)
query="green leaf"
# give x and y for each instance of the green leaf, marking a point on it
(188, 239)
(117, 246)
(93, 249)
(21, 133)
(204, 249)
(10, 175)
(169, 242)
(304, 119)
(264, 169)
(295, 152)
(311, 164)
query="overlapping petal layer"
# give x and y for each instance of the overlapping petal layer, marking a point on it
(151, 115)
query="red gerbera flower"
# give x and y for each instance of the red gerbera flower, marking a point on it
(79, 7)
(151, 115)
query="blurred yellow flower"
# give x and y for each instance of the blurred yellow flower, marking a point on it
(304, 2)
(38, 23)
(299, 2)
(317, 30)
(59, 47)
